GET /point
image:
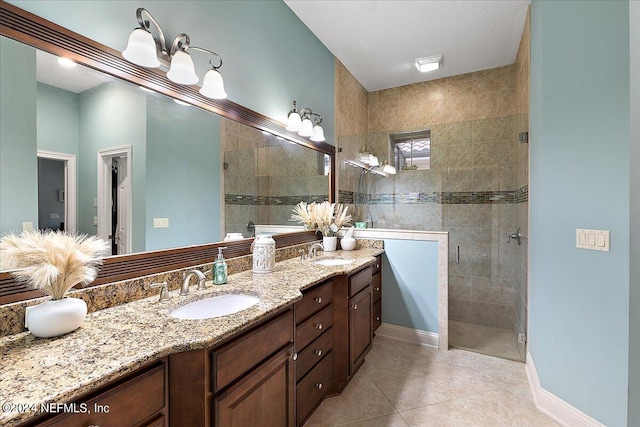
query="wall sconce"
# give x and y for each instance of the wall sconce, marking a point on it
(301, 122)
(142, 49)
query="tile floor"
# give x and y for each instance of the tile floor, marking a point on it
(403, 384)
(483, 339)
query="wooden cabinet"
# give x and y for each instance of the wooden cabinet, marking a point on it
(376, 289)
(264, 398)
(139, 399)
(247, 381)
(314, 346)
(359, 328)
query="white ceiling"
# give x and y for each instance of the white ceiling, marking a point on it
(378, 41)
(77, 79)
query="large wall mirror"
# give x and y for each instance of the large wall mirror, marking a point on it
(104, 155)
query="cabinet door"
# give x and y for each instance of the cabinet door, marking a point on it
(359, 328)
(264, 398)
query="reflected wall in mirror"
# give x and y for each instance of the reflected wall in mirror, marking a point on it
(265, 176)
(175, 159)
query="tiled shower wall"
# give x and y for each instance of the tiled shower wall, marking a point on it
(265, 177)
(470, 190)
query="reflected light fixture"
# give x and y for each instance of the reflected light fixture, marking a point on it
(370, 163)
(302, 123)
(143, 49)
(430, 63)
(66, 62)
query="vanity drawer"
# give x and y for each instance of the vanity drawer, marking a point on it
(312, 328)
(313, 387)
(242, 354)
(377, 315)
(376, 287)
(314, 301)
(134, 402)
(313, 353)
(377, 266)
(359, 281)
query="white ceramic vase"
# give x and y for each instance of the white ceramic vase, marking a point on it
(56, 317)
(264, 254)
(348, 243)
(329, 243)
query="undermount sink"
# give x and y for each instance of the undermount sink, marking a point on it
(334, 261)
(209, 308)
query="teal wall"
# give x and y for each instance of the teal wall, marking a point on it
(579, 178)
(634, 320)
(270, 56)
(410, 277)
(112, 115)
(18, 166)
(58, 120)
(183, 174)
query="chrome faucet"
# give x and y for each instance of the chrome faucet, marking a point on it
(184, 290)
(314, 248)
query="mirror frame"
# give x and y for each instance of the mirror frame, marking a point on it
(35, 31)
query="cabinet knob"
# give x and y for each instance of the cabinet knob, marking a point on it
(377, 265)
(355, 306)
(319, 300)
(319, 326)
(319, 386)
(377, 289)
(319, 353)
(377, 318)
(294, 356)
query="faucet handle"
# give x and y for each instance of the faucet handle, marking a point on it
(303, 254)
(164, 290)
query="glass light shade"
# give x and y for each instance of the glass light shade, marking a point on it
(365, 156)
(318, 134)
(141, 49)
(182, 70)
(213, 86)
(306, 129)
(373, 160)
(294, 122)
(387, 168)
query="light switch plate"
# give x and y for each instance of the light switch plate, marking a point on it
(594, 240)
(160, 222)
(27, 226)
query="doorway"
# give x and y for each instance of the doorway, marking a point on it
(56, 191)
(114, 198)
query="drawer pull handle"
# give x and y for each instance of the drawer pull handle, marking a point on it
(377, 318)
(319, 353)
(294, 356)
(319, 300)
(355, 306)
(319, 326)
(377, 289)
(319, 386)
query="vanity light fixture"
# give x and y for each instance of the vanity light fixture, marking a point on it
(302, 123)
(142, 49)
(430, 63)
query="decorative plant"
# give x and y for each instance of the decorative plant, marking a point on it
(52, 261)
(325, 217)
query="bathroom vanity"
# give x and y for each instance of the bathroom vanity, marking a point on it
(274, 362)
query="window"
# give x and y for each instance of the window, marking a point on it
(412, 150)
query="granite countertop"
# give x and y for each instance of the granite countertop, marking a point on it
(119, 340)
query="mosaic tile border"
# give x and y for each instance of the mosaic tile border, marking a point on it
(521, 195)
(249, 200)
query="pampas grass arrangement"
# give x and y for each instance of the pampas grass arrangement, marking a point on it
(325, 217)
(52, 261)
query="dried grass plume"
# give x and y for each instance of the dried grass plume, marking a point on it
(52, 261)
(325, 217)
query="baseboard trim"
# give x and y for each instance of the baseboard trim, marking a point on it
(402, 333)
(553, 406)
